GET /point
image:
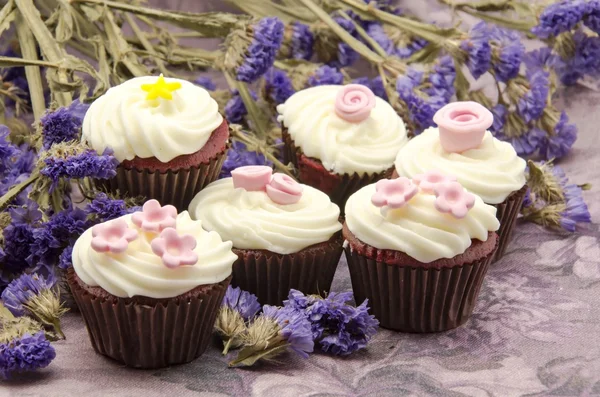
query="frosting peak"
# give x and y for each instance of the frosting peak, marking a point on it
(357, 133)
(135, 119)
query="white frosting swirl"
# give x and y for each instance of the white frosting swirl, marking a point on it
(251, 220)
(125, 121)
(418, 229)
(492, 171)
(343, 147)
(138, 271)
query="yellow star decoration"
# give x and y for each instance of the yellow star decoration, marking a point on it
(160, 89)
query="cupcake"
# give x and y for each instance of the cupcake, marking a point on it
(485, 166)
(167, 134)
(286, 235)
(340, 138)
(418, 250)
(149, 286)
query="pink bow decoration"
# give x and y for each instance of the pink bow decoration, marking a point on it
(428, 180)
(393, 193)
(452, 198)
(284, 190)
(154, 218)
(251, 177)
(113, 236)
(462, 125)
(175, 250)
(354, 103)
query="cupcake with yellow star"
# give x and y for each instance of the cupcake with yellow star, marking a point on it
(167, 134)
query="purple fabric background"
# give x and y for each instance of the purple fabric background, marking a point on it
(535, 330)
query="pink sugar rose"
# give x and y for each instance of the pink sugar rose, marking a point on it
(462, 125)
(284, 190)
(354, 103)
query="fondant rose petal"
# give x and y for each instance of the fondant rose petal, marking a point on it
(354, 103)
(462, 125)
(284, 190)
(175, 250)
(251, 177)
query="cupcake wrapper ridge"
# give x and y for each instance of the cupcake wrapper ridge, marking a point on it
(507, 213)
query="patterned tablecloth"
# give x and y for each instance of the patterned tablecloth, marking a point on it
(535, 330)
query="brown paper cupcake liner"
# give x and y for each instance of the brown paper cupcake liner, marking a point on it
(507, 213)
(339, 187)
(177, 187)
(270, 276)
(150, 333)
(417, 299)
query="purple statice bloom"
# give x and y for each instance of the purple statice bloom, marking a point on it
(21, 290)
(510, 53)
(65, 260)
(442, 78)
(239, 156)
(29, 214)
(8, 151)
(422, 107)
(532, 104)
(577, 210)
(542, 58)
(375, 85)
(59, 126)
(560, 142)
(26, 353)
(478, 49)
(78, 110)
(527, 143)
(415, 45)
(527, 202)
(260, 54)
(278, 85)
(87, 164)
(295, 328)
(18, 239)
(235, 109)
(243, 302)
(302, 41)
(592, 15)
(326, 75)
(499, 111)
(51, 237)
(377, 33)
(587, 55)
(559, 17)
(346, 56)
(206, 83)
(105, 208)
(25, 161)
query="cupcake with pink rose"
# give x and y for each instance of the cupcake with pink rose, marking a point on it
(462, 146)
(149, 286)
(340, 138)
(418, 250)
(286, 235)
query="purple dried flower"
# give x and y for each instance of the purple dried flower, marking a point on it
(278, 85)
(442, 78)
(26, 353)
(415, 45)
(532, 104)
(592, 16)
(542, 58)
(206, 83)
(65, 260)
(260, 54)
(559, 143)
(18, 239)
(499, 111)
(7, 150)
(587, 55)
(326, 75)
(87, 164)
(59, 126)
(239, 156)
(576, 209)
(28, 214)
(508, 51)
(375, 85)
(421, 106)
(346, 56)
(295, 328)
(21, 290)
(243, 302)
(104, 208)
(478, 49)
(302, 41)
(377, 33)
(235, 109)
(559, 17)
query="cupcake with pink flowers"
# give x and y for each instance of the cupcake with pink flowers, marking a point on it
(419, 250)
(149, 285)
(484, 165)
(286, 235)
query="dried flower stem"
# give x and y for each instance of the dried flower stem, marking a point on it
(146, 44)
(16, 189)
(32, 72)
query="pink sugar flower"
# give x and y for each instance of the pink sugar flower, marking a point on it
(428, 180)
(354, 103)
(154, 218)
(284, 190)
(393, 193)
(113, 236)
(452, 198)
(251, 177)
(175, 250)
(462, 125)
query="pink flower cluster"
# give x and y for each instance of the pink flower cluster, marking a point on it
(280, 188)
(450, 195)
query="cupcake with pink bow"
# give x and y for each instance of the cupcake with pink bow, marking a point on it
(149, 286)
(462, 146)
(419, 249)
(340, 138)
(286, 235)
